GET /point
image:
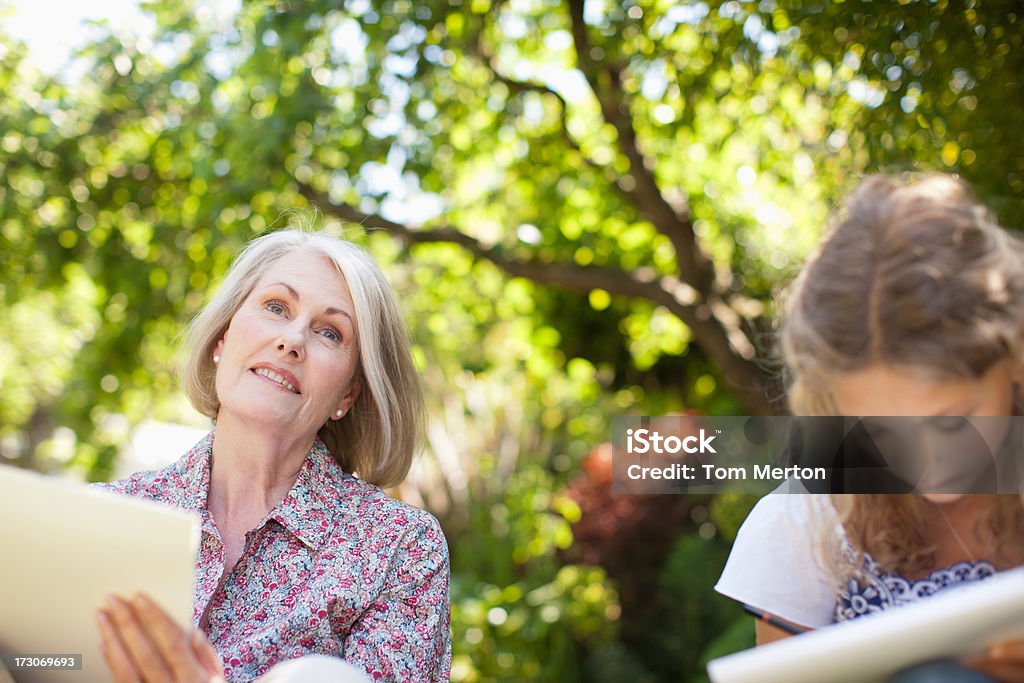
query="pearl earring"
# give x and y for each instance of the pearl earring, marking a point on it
(216, 358)
(340, 413)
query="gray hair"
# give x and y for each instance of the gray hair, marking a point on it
(380, 435)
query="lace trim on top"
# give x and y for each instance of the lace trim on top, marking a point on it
(877, 590)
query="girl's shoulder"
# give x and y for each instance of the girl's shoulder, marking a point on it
(790, 507)
(775, 563)
(788, 517)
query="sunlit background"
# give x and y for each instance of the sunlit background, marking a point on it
(587, 209)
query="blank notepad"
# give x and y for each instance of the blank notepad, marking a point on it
(64, 547)
(958, 622)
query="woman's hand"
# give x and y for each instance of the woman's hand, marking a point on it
(140, 642)
(1003, 661)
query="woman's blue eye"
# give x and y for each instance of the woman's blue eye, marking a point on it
(332, 334)
(275, 307)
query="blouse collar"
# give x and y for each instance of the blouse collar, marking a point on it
(307, 511)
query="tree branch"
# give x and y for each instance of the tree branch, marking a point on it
(715, 326)
(674, 222)
(517, 86)
(568, 275)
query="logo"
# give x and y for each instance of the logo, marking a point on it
(642, 441)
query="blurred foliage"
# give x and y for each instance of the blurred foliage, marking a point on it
(690, 616)
(665, 554)
(941, 81)
(728, 512)
(131, 178)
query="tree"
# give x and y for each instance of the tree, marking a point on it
(670, 163)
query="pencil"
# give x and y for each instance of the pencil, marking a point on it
(767, 618)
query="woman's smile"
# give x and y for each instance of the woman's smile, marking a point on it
(279, 377)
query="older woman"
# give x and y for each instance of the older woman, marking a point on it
(303, 363)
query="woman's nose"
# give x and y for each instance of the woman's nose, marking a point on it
(292, 342)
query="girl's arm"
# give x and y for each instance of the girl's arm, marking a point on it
(766, 633)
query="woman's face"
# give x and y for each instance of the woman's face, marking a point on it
(943, 455)
(289, 356)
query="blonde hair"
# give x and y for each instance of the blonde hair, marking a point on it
(914, 274)
(382, 432)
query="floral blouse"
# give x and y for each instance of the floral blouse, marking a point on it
(336, 568)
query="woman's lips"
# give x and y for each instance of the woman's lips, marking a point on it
(278, 377)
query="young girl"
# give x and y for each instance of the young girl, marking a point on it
(914, 306)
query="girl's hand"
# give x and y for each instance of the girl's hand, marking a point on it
(1003, 661)
(140, 642)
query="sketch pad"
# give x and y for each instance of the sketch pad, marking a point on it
(64, 547)
(959, 622)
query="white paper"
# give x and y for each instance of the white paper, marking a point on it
(64, 547)
(957, 623)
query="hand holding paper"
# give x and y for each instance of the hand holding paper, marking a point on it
(140, 641)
